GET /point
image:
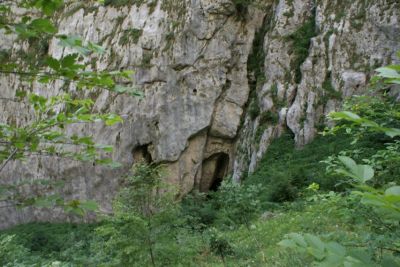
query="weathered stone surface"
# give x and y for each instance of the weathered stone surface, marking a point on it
(190, 61)
(226, 120)
(351, 40)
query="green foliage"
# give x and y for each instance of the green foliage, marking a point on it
(42, 244)
(325, 253)
(48, 7)
(236, 204)
(120, 3)
(130, 35)
(11, 253)
(256, 68)
(231, 206)
(144, 228)
(385, 201)
(329, 91)
(254, 64)
(254, 109)
(285, 171)
(269, 117)
(301, 40)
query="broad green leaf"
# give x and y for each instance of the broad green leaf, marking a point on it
(362, 173)
(298, 239)
(347, 115)
(96, 48)
(386, 72)
(53, 63)
(69, 61)
(393, 191)
(316, 246)
(348, 162)
(43, 25)
(392, 132)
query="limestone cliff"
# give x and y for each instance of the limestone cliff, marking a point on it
(220, 81)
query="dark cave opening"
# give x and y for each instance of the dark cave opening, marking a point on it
(215, 168)
(142, 154)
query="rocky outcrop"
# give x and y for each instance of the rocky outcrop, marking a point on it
(219, 84)
(297, 88)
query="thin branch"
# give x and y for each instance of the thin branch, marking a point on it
(8, 159)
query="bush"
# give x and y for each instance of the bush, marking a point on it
(231, 206)
(65, 242)
(11, 253)
(145, 228)
(285, 171)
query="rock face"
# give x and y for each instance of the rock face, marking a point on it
(219, 84)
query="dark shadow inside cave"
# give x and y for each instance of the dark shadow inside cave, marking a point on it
(142, 154)
(215, 168)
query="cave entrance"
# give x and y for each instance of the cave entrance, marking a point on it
(215, 168)
(142, 154)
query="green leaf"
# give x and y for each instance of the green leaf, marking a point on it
(20, 93)
(298, 239)
(89, 205)
(362, 173)
(287, 243)
(112, 119)
(387, 72)
(50, 6)
(43, 25)
(105, 148)
(96, 48)
(392, 132)
(53, 63)
(348, 162)
(73, 42)
(69, 61)
(346, 115)
(316, 246)
(393, 191)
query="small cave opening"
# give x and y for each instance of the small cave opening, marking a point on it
(142, 154)
(215, 168)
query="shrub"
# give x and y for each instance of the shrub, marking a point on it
(145, 228)
(285, 171)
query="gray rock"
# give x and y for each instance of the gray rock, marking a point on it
(191, 64)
